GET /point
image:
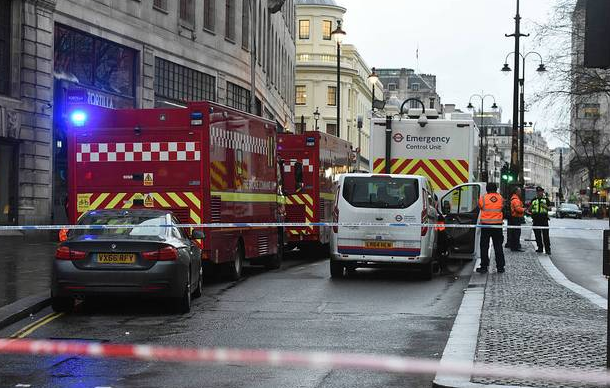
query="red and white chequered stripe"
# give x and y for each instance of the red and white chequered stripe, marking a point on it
(177, 151)
(312, 360)
(238, 141)
(288, 167)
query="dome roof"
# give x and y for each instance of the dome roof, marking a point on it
(317, 2)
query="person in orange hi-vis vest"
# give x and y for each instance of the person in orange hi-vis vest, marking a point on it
(517, 212)
(490, 206)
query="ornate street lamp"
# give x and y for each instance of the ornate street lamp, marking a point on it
(316, 117)
(338, 34)
(373, 79)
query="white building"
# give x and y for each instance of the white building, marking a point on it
(316, 77)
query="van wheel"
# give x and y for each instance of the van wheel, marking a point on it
(336, 269)
(236, 267)
(427, 270)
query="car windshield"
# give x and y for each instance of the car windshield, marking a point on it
(569, 206)
(380, 192)
(149, 225)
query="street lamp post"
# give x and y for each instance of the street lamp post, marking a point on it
(373, 79)
(521, 83)
(482, 131)
(316, 117)
(338, 34)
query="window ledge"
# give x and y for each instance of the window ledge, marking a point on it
(209, 31)
(230, 40)
(160, 9)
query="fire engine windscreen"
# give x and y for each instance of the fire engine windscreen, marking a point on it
(381, 192)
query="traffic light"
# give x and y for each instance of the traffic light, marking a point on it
(507, 175)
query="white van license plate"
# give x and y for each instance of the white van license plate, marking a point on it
(378, 244)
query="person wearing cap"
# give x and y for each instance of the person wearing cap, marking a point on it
(539, 210)
(491, 205)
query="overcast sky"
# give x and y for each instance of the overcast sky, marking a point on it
(461, 42)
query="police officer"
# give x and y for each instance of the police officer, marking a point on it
(539, 209)
(491, 214)
(517, 211)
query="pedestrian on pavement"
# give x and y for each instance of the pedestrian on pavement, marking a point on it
(539, 209)
(517, 211)
(490, 206)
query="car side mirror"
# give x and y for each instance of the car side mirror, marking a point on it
(197, 234)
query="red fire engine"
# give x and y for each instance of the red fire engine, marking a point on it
(311, 161)
(207, 163)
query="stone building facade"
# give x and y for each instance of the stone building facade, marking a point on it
(316, 77)
(407, 83)
(136, 54)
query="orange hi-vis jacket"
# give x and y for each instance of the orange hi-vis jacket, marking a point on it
(516, 206)
(491, 208)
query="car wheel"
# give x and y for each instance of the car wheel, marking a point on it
(184, 303)
(199, 290)
(275, 261)
(237, 265)
(62, 304)
(427, 270)
(336, 269)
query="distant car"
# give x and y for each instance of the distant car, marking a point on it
(151, 259)
(553, 212)
(569, 210)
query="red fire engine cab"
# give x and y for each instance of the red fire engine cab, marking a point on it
(310, 163)
(206, 163)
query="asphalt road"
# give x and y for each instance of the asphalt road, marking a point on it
(578, 253)
(295, 308)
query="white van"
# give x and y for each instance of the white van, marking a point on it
(383, 198)
(391, 198)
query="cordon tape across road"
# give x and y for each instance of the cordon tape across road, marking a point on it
(288, 225)
(311, 360)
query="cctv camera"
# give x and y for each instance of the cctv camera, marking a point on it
(422, 121)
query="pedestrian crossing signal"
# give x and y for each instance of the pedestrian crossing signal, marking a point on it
(507, 175)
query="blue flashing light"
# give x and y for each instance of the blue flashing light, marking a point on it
(78, 118)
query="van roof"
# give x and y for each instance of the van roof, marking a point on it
(359, 174)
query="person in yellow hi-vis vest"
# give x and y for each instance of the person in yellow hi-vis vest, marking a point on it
(491, 214)
(539, 210)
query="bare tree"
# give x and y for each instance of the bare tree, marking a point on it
(574, 93)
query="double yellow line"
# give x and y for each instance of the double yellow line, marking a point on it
(32, 327)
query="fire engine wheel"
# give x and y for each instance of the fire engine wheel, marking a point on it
(237, 265)
(199, 290)
(336, 269)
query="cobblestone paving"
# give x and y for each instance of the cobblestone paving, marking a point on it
(529, 319)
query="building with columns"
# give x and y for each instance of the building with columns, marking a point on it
(316, 77)
(135, 54)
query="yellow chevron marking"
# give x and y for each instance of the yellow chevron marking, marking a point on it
(177, 199)
(395, 165)
(309, 199)
(115, 201)
(309, 212)
(96, 204)
(217, 178)
(195, 217)
(160, 200)
(380, 168)
(449, 170)
(194, 199)
(220, 166)
(298, 200)
(129, 203)
(439, 175)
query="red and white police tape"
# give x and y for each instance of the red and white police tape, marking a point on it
(311, 360)
(293, 225)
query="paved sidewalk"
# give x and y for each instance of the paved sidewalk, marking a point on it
(25, 268)
(529, 319)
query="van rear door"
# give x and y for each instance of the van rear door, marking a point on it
(379, 199)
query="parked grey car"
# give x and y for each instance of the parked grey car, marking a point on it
(569, 210)
(152, 259)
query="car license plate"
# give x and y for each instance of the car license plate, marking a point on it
(116, 258)
(378, 244)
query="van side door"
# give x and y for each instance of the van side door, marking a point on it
(460, 206)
